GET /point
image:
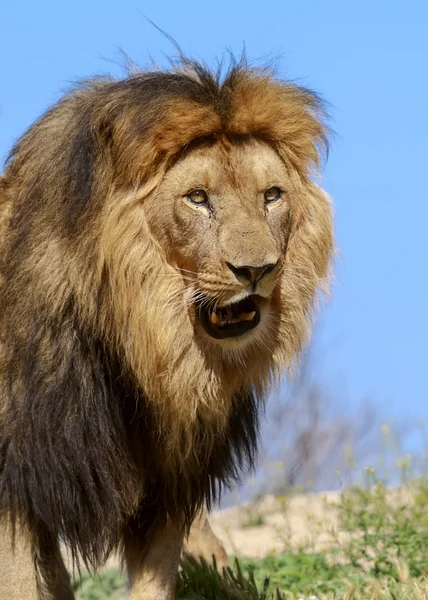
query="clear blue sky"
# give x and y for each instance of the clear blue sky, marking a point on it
(370, 60)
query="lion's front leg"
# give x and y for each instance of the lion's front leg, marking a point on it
(17, 571)
(31, 570)
(153, 569)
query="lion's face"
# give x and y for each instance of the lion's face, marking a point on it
(214, 267)
(222, 215)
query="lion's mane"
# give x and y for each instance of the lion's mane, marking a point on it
(108, 409)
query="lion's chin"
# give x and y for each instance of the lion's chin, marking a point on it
(230, 321)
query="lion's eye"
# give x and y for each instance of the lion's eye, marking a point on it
(272, 195)
(198, 196)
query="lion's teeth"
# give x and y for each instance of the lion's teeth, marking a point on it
(247, 316)
(214, 318)
(229, 318)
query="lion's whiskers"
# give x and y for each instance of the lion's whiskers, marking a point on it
(187, 271)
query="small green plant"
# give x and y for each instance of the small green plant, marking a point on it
(109, 584)
(387, 528)
(201, 581)
(254, 520)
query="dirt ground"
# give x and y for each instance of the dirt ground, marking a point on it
(272, 525)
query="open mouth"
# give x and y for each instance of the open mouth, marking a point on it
(230, 321)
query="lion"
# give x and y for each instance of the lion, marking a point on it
(163, 248)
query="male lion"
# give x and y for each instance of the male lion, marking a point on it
(162, 246)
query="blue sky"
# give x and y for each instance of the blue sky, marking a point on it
(370, 60)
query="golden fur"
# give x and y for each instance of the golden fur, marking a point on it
(105, 366)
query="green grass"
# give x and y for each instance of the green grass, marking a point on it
(302, 573)
(391, 531)
(384, 557)
(285, 577)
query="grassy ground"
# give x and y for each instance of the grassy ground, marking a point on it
(384, 557)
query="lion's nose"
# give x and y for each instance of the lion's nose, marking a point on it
(251, 273)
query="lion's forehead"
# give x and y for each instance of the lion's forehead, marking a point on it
(247, 166)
